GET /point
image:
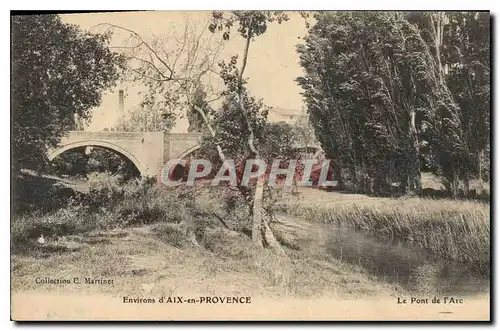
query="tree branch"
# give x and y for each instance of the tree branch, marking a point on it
(138, 36)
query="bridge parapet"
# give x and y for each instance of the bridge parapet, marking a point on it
(144, 149)
(185, 136)
(149, 151)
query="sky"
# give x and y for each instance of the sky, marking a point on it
(272, 67)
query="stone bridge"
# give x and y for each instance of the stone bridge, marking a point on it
(148, 151)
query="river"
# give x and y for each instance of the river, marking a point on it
(413, 268)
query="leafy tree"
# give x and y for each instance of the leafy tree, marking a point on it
(467, 54)
(277, 141)
(81, 162)
(460, 45)
(199, 101)
(273, 140)
(364, 87)
(384, 95)
(102, 160)
(177, 72)
(249, 25)
(57, 71)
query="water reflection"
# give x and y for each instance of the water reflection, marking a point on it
(413, 268)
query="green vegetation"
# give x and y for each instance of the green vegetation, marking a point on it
(177, 234)
(111, 203)
(58, 72)
(455, 230)
(393, 94)
(205, 233)
(78, 163)
(383, 102)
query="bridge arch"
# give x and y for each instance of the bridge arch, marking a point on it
(97, 143)
(189, 151)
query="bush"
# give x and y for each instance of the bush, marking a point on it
(32, 193)
(145, 204)
(112, 203)
(229, 206)
(73, 219)
(172, 234)
(104, 189)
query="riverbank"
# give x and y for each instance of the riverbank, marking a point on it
(140, 260)
(451, 229)
(147, 238)
(138, 263)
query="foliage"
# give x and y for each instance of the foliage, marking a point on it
(468, 54)
(199, 101)
(109, 203)
(176, 76)
(57, 71)
(72, 163)
(303, 131)
(231, 130)
(172, 234)
(232, 134)
(77, 163)
(251, 23)
(31, 193)
(149, 116)
(104, 160)
(104, 189)
(174, 71)
(388, 96)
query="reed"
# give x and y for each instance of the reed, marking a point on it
(454, 230)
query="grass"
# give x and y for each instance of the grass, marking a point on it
(183, 242)
(173, 234)
(106, 206)
(27, 228)
(156, 246)
(226, 263)
(455, 230)
(155, 249)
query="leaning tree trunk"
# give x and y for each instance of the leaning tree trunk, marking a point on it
(257, 213)
(270, 239)
(258, 223)
(211, 131)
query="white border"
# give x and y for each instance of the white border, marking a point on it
(257, 4)
(187, 5)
